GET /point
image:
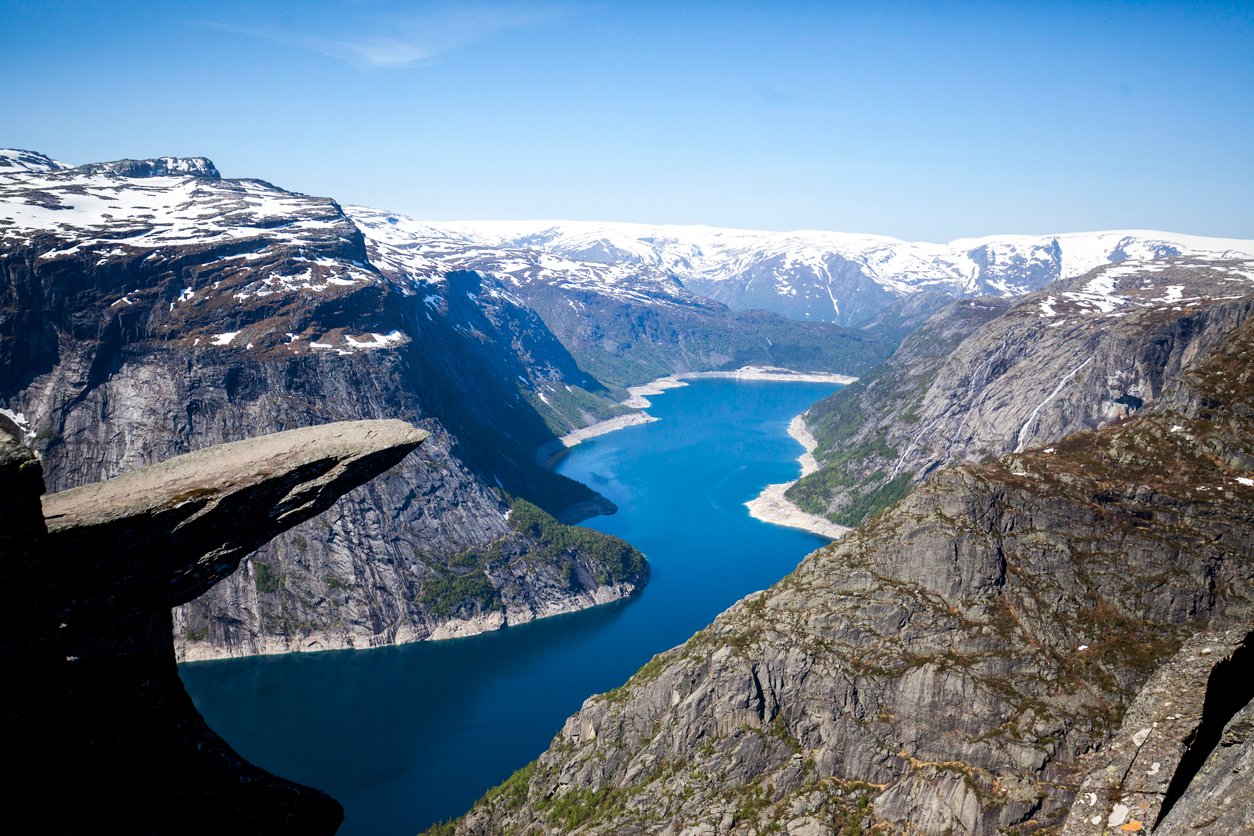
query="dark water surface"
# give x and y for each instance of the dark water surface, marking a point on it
(407, 736)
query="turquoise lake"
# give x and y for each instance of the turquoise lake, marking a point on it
(407, 736)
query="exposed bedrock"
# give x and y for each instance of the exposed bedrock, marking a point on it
(102, 726)
(962, 662)
(1183, 758)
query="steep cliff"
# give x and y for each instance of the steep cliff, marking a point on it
(946, 666)
(985, 377)
(1183, 758)
(150, 308)
(97, 717)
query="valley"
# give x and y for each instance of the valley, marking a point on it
(1039, 470)
(412, 735)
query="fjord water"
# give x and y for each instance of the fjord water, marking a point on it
(407, 736)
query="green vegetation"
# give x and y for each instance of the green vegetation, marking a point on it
(464, 584)
(579, 807)
(265, 580)
(866, 496)
(446, 594)
(613, 560)
(512, 792)
(564, 408)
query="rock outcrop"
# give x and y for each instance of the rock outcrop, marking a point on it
(1183, 759)
(94, 710)
(948, 666)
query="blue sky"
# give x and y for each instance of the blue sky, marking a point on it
(927, 121)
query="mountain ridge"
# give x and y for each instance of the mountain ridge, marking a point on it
(843, 277)
(987, 376)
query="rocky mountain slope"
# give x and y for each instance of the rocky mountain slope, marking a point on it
(1183, 759)
(989, 376)
(833, 276)
(948, 666)
(150, 307)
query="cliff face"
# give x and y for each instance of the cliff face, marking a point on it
(987, 377)
(152, 308)
(98, 717)
(1183, 758)
(947, 665)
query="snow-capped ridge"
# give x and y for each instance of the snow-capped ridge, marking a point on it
(838, 276)
(21, 161)
(156, 167)
(408, 250)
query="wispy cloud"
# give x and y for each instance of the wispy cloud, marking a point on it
(403, 41)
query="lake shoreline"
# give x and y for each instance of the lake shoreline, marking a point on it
(771, 506)
(638, 400)
(450, 719)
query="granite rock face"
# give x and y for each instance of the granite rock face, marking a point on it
(986, 377)
(1183, 758)
(152, 308)
(219, 504)
(100, 713)
(949, 665)
(1220, 797)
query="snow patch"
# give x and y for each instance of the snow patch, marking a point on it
(18, 418)
(377, 340)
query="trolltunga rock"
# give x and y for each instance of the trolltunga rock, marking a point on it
(102, 729)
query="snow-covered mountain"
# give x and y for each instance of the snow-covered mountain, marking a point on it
(401, 245)
(151, 307)
(625, 322)
(839, 277)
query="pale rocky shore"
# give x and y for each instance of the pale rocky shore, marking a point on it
(638, 394)
(638, 399)
(609, 425)
(771, 506)
(399, 633)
